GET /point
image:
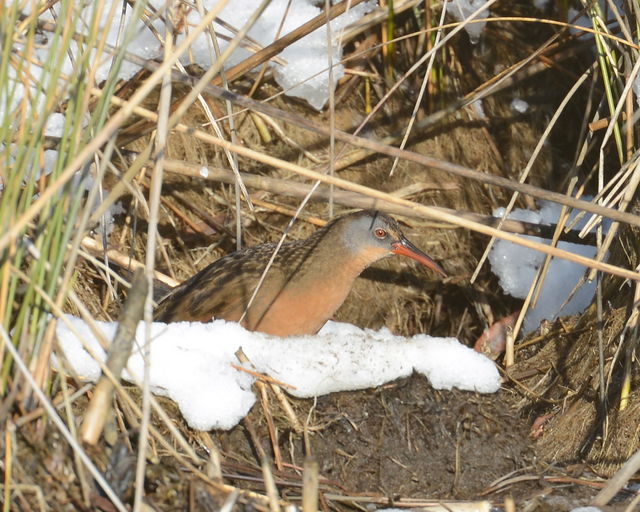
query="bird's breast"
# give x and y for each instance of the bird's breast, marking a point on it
(303, 307)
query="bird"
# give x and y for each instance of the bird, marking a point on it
(306, 283)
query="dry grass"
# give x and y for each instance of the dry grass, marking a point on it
(198, 221)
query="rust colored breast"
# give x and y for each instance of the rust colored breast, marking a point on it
(303, 307)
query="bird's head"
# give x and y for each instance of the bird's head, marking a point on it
(374, 235)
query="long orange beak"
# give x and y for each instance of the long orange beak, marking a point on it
(406, 248)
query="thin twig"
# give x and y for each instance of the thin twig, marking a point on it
(117, 357)
(356, 200)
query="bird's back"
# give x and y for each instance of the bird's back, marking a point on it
(224, 288)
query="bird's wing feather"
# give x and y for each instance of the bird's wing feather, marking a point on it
(223, 289)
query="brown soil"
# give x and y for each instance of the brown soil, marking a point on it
(399, 440)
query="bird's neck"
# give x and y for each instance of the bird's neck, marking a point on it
(330, 258)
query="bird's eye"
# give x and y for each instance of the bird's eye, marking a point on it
(380, 233)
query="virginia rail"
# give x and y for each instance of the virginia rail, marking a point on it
(307, 282)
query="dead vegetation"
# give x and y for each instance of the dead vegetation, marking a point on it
(549, 440)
